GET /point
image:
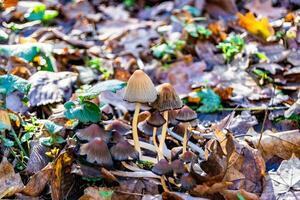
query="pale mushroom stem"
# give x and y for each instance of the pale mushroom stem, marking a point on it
(154, 139)
(134, 129)
(185, 140)
(163, 136)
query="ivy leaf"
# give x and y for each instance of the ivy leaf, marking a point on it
(47, 141)
(210, 100)
(6, 142)
(52, 127)
(10, 83)
(83, 111)
(109, 85)
(27, 136)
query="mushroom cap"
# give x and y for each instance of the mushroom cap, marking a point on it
(178, 166)
(119, 126)
(167, 99)
(194, 123)
(187, 181)
(143, 116)
(124, 151)
(179, 129)
(96, 151)
(162, 167)
(92, 131)
(186, 114)
(147, 129)
(140, 88)
(156, 119)
(188, 157)
(116, 137)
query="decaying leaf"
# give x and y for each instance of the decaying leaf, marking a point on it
(97, 193)
(282, 144)
(264, 8)
(10, 182)
(38, 182)
(260, 28)
(4, 120)
(286, 180)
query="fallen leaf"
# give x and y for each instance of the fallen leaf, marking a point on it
(10, 182)
(38, 182)
(239, 194)
(97, 193)
(219, 8)
(10, 3)
(264, 8)
(286, 180)
(260, 28)
(282, 144)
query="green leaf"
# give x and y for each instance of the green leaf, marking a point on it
(50, 15)
(193, 10)
(210, 100)
(230, 47)
(27, 136)
(47, 141)
(3, 36)
(52, 127)
(35, 13)
(10, 83)
(106, 194)
(109, 85)
(192, 29)
(59, 140)
(6, 142)
(84, 111)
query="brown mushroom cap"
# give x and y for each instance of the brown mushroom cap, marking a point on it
(162, 167)
(186, 114)
(119, 126)
(188, 157)
(172, 117)
(179, 129)
(124, 151)
(147, 129)
(96, 151)
(143, 116)
(187, 181)
(167, 98)
(140, 88)
(92, 132)
(156, 119)
(178, 166)
(194, 123)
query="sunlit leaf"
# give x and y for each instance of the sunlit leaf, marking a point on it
(10, 83)
(85, 111)
(52, 127)
(210, 100)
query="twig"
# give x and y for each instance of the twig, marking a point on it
(142, 174)
(254, 108)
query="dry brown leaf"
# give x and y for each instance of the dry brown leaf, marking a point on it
(94, 193)
(203, 190)
(38, 182)
(264, 8)
(9, 3)
(219, 8)
(4, 120)
(282, 144)
(10, 182)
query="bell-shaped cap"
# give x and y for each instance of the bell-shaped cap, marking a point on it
(147, 129)
(178, 166)
(188, 157)
(167, 99)
(124, 151)
(96, 151)
(179, 129)
(186, 114)
(143, 116)
(172, 117)
(194, 123)
(162, 167)
(92, 131)
(140, 88)
(187, 181)
(119, 126)
(156, 119)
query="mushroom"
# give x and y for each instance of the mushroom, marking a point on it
(162, 167)
(140, 89)
(167, 100)
(91, 132)
(187, 181)
(147, 129)
(186, 115)
(96, 151)
(124, 151)
(178, 167)
(156, 120)
(119, 126)
(188, 157)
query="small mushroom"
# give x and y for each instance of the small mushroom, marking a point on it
(119, 126)
(188, 157)
(187, 181)
(140, 89)
(156, 120)
(124, 151)
(147, 129)
(178, 167)
(172, 117)
(143, 116)
(96, 151)
(162, 167)
(167, 100)
(91, 132)
(186, 115)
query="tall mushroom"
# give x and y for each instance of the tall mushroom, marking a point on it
(140, 89)
(156, 120)
(167, 100)
(185, 115)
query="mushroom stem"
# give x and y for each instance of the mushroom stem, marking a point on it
(185, 140)
(154, 138)
(163, 184)
(134, 129)
(163, 136)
